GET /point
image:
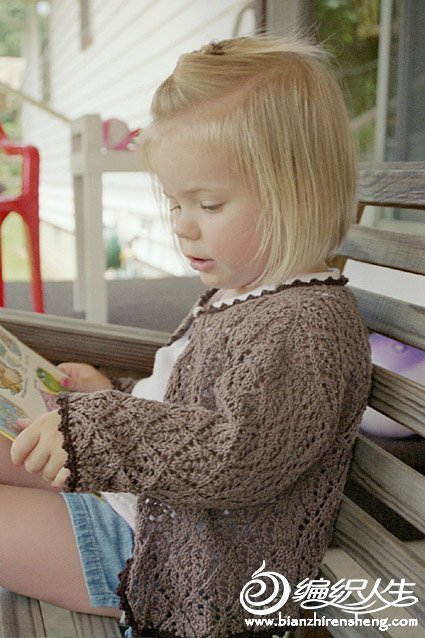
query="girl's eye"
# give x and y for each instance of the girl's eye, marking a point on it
(211, 207)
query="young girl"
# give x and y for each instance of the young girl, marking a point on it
(238, 445)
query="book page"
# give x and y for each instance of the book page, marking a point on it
(28, 383)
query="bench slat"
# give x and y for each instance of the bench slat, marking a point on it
(399, 398)
(399, 184)
(384, 248)
(20, 616)
(400, 320)
(63, 339)
(380, 553)
(332, 612)
(389, 479)
(90, 625)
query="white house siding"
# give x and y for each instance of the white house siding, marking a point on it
(135, 46)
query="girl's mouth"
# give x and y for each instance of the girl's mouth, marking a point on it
(201, 264)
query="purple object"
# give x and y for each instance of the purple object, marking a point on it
(402, 359)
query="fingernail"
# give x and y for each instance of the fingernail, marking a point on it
(65, 383)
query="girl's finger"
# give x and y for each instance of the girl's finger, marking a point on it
(66, 367)
(61, 478)
(24, 443)
(52, 469)
(36, 460)
(73, 371)
(23, 423)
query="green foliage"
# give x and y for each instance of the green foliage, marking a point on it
(15, 256)
(10, 165)
(11, 120)
(365, 139)
(349, 30)
(12, 21)
(113, 250)
(10, 174)
(12, 25)
(342, 26)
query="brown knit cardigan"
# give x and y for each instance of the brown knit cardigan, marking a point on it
(244, 461)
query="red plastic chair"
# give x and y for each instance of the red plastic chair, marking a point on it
(26, 205)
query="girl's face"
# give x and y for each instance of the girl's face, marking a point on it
(213, 212)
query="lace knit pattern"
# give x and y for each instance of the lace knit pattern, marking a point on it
(245, 460)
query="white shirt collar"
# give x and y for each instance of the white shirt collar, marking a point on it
(334, 273)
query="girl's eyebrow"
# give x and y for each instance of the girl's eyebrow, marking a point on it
(192, 191)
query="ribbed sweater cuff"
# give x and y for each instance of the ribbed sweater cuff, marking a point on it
(65, 428)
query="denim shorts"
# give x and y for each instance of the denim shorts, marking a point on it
(104, 540)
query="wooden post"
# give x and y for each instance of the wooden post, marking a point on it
(90, 287)
(89, 160)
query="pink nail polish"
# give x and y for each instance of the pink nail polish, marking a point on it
(65, 383)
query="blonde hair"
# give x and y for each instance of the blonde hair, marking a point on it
(272, 106)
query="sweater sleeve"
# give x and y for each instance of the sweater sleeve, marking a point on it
(279, 409)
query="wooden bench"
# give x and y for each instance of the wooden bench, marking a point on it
(384, 484)
(384, 501)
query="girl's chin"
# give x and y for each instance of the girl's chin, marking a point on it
(212, 280)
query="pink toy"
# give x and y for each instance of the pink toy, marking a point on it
(116, 135)
(399, 358)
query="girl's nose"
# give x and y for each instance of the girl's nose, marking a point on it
(185, 226)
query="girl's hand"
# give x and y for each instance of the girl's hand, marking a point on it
(83, 378)
(39, 448)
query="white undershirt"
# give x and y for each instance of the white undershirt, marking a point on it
(153, 387)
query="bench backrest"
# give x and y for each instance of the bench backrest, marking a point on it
(387, 479)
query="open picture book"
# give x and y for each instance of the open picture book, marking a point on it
(28, 383)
